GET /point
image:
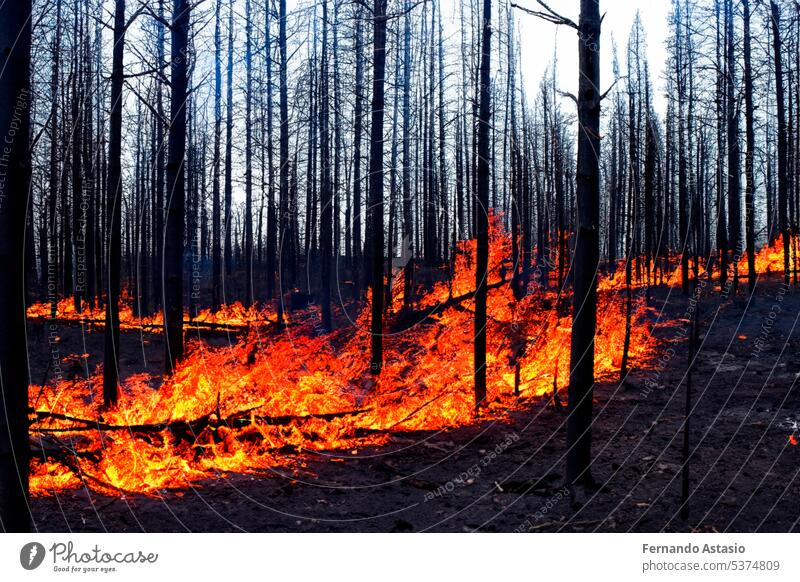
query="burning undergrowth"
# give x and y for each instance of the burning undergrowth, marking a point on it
(265, 400)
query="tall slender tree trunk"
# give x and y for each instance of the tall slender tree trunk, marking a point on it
(408, 218)
(248, 163)
(272, 215)
(158, 207)
(78, 236)
(15, 103)
(734, 174)
(173, 235)
(783, 186)
(229, 156)
(113, 214)
(482, 206)
(376, 180)
(216, 206)
(722, 224)
(358, 128)
(50, 255)
(749, 160)
(584, 317)
(326, 190)
(285, 242)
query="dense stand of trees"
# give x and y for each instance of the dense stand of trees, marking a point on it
(200, 154)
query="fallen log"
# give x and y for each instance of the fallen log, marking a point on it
(409, 317)
(242, 417)
(188, 323)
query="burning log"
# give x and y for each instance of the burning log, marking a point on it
(240, 419)
(191, 324)
(409, 317)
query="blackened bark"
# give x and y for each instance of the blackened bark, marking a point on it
(326, 190)
(50, 263)
(358, 128)
(482, 206)
(15, 100)
(228, 253)
(584, 318)
(248, 163)
(722, 223)
(783, 186)
(734, 174)
(173, 234)
(272, 215)
(158, 207)
(408, 219)
(285, 244)
(376, 180)
(749, 160)
(216, 207)
(113, 215)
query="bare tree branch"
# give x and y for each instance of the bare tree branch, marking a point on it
(548, 15)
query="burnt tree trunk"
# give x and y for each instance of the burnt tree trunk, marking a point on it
(734, 174)
(228, 253)
(358, 124)
(248, 164)
(376, 180)
(722, 227)
(783, 189)
(584, 318)
(113, 215)
(216, 207)
(15, 101)
(408, 219)
(326, 190)
(482, 206)
(173, 234)
(285, 206)
(749, 159)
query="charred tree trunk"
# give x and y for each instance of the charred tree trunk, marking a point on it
(173, 235)
(783, 189)
(749, 160)
(358, 125)
(158, 207)
(272, 217)
(408, 219)
(376, 180)
(285, 243)
(228, 254)
(482, 205)
(722, 226)
(50, 262)
(584, 318)
(734, 174)
(216, 207)
(248, 163)
(326, 191)
(113, 215)
(15, 103)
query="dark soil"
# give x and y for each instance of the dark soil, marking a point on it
(509, 476)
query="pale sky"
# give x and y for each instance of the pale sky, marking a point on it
(538, 38)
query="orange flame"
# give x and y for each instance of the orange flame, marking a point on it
(259, 402)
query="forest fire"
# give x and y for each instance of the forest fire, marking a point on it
(232, 315)
(501, 266)
(257, 403)
(769, 259)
